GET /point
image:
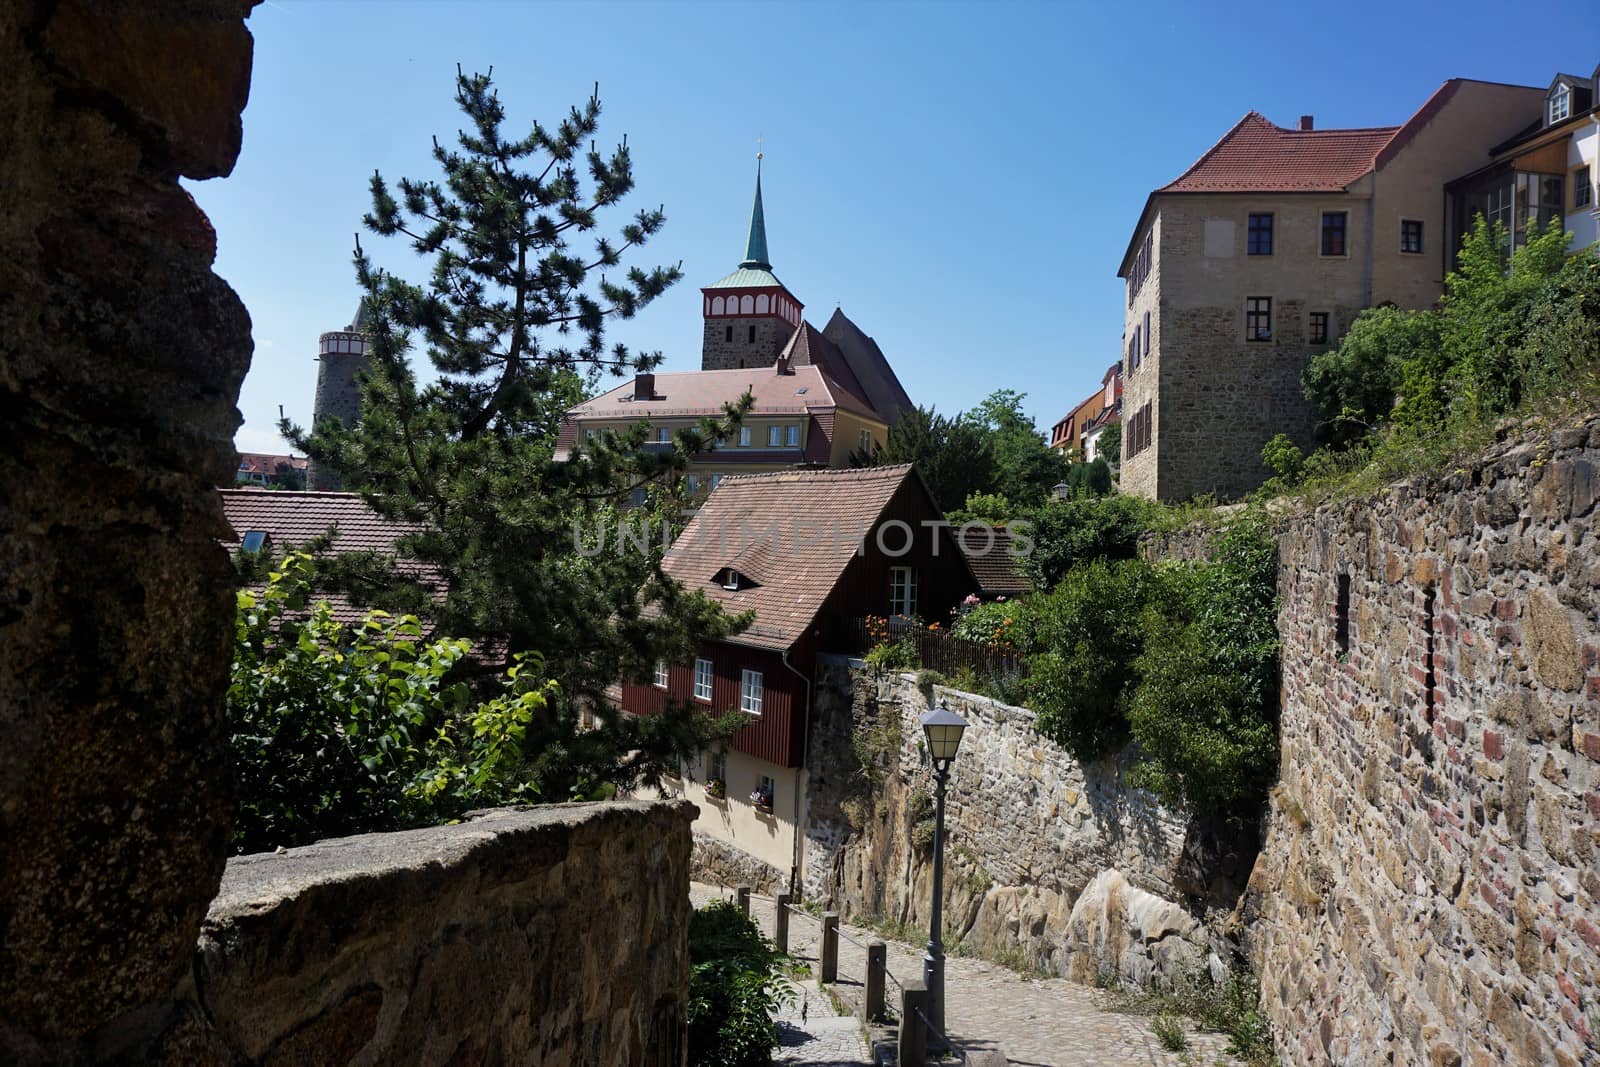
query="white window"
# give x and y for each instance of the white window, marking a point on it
(693, 482)
(702, 680)
(902, 591)
(664, 435)
(716, 767)
(865, 441)
(750, 692)
(1582, 188)
(744, 437)
(1560, 105)
(765, 792)
(588, 435)
(774, 436)
(792, 436)
(661, 674)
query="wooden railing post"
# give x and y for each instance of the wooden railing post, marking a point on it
(877, 959)
(780, 924)
(830, 947)
(913, 1045)
(741, 897)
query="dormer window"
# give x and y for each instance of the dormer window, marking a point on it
(1560, 104)
(733, 581)
(254, 541)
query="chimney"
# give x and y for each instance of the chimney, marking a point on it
(783, 365)
(1305, 122)
(644, 386)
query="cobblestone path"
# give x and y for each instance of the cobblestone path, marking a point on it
(1050, 1022)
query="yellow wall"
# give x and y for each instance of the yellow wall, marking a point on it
(847, 428)
(734, 820)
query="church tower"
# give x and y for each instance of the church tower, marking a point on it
(341, 356)
(749, 315)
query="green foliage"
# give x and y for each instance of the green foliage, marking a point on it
(898, 655)
(1412, 391)
(1169, 1031)
(1088, 479)
(1110, 444)
(1093, 627)
(954, 456)
(992, 508)
(1026, 468)
(735, 989)
(1066, 532)
(1006, 623)
(1353, 387)
(339, 731)
(1205, 708)
(1231, 1007)
(511, 319)
(1283, 457)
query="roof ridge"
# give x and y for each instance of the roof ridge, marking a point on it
(283, 493)
(812, 471)
(1208, 153)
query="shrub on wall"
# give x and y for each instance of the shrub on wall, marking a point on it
(1066, 532)
(734, 989)
(342, 730)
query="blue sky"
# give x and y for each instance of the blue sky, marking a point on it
(961, 178)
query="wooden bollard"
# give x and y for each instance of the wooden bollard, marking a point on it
(877, 961)
(830, 946)
(780, 924)
(913, 1044)
(741, 897)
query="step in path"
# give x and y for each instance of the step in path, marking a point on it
(1049, 1022)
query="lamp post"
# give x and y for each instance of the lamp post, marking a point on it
(943, 729)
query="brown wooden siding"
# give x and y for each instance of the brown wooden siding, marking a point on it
(777, 735)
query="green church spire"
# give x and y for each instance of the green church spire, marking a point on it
(755, 253)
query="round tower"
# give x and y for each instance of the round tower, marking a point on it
(341, 357)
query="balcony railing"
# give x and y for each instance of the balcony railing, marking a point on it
(935, 650)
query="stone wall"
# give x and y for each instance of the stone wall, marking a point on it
(717, 353)
(121, 356)
(1029, 831)
(555, 935)
(1428, 891)
(717, 862)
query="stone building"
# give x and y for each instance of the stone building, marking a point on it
(819, 395)
(1258, 257)
(341, 358)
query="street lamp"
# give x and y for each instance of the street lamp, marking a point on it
(943, 729)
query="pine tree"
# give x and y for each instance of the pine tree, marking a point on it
(512, 321)
(954, 456)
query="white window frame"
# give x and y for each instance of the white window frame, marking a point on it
(662, 675)
(1422, 240)
(744, 437)
(703, 676)
(1583, 179)
(774, 436)
(791, 435)
(1562, 99)
(864, 439)
(692, 481)
(717, 766)
(767, 787)
(750, 692)
(903, 591)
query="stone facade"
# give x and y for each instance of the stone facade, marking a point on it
(717, 352)
(1215, 398)
(1029, 832)
(1428, 892)
(121, 356)
(555, 935)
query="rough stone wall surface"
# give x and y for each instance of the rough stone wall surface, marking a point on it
(339, 397)
(772, 334)
(1028, 830)
(121, 356)
(719, 863)
(1427, 892)
(555, 935)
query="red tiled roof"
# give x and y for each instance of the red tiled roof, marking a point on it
(267, 463)
(792, 533)
(294, 518)
(705, 392)
(999, 573)
(1258, 156)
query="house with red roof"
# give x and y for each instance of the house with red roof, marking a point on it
(819, 395)
(1260, 255)
(810, 553)
(1080, 429)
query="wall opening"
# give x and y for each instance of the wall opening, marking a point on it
(1428, 677)
(1341, 615)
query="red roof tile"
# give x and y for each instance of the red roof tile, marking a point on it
(989, 553)
(704, 392)
(1258, 156)
(792, 533)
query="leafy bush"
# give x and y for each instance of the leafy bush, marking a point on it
(1353, 387)
(1205, 708)
(339, 731)
(735, 988)
(1070, 531)
(992, 508)
(1006, 623)
(1092, 626)
(898, 655)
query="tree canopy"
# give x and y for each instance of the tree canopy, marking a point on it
(511, 320)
